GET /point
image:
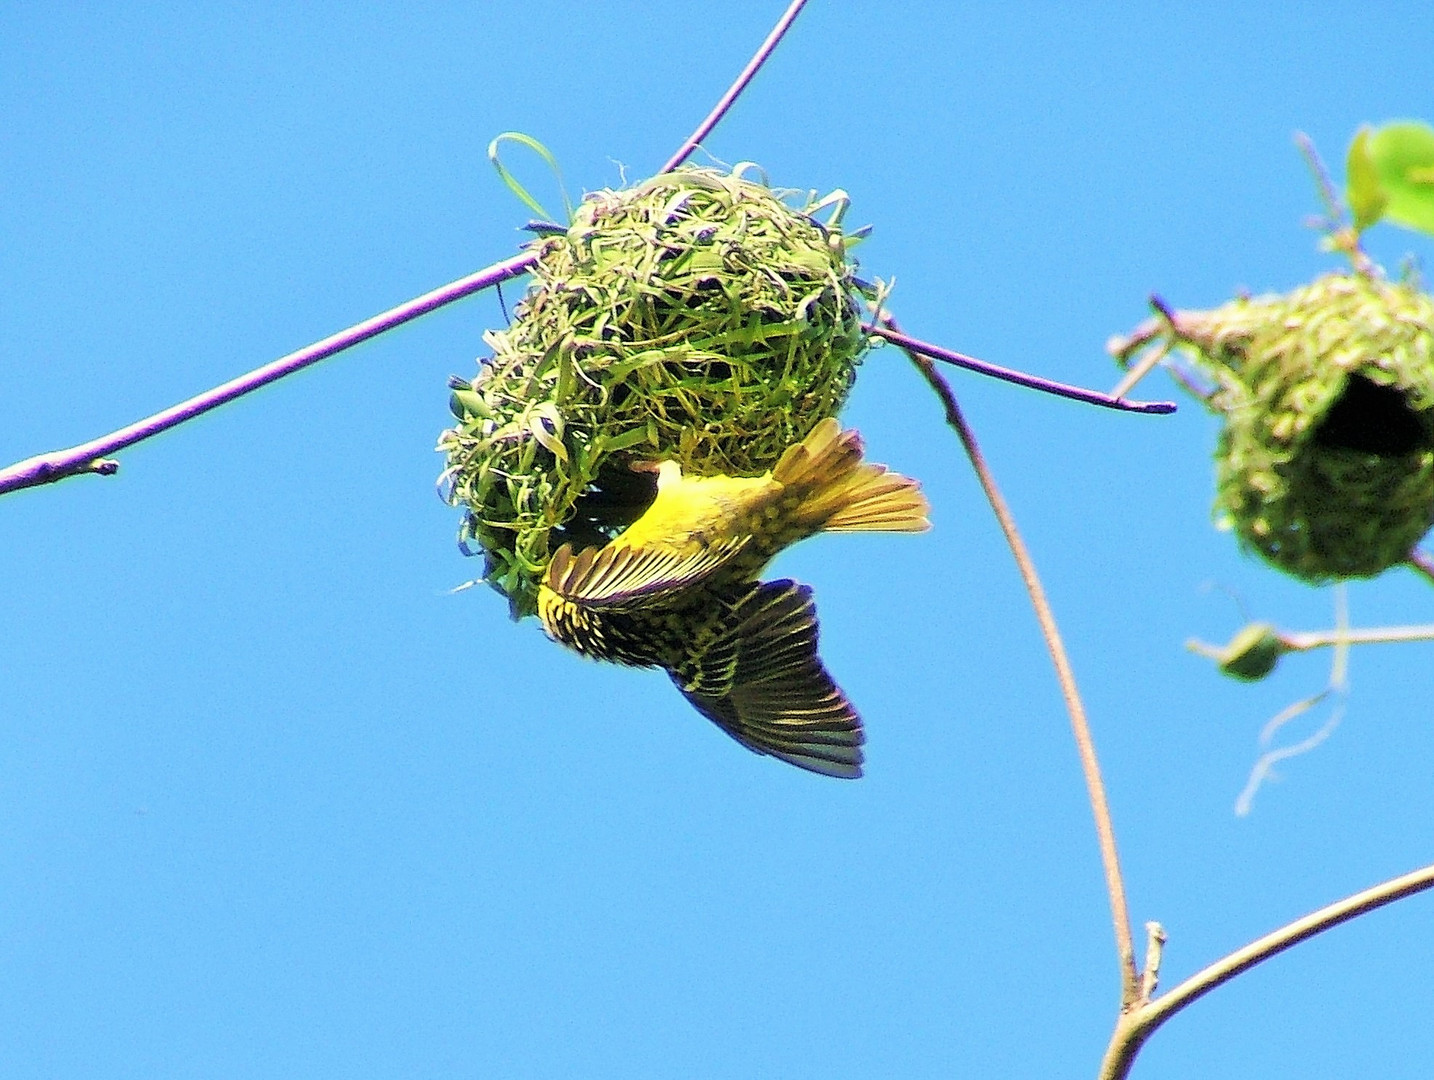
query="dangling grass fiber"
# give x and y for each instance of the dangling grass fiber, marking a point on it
(696, 316)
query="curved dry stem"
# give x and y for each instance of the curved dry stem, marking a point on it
(1085, 745)
(753, 66)
(1137, 1025)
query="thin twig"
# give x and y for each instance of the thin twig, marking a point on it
(1293, 641)
(1333, 204)
(1124, 346)
(1154, 953)
(1161, 333)
(91, 456)
(1134, 1027)
(1085, 745)
(1374, 635)
(720, 109)
(1143, 367)
(1336, 225)
(1035, 382)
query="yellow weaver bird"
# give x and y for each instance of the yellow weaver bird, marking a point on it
(678, 589)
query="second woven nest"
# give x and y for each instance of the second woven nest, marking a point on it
(1325, 465)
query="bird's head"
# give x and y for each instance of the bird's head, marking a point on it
(668, 472)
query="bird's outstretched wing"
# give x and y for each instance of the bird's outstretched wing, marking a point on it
(618, 576)
(762, 682)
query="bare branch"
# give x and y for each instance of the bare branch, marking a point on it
(90, 456)
(1035, 382)
(1085, 745)
(1140, 369)
(1333, 204)
(1137, 1025)
(1336, 225)
(753, 66)
(1272, 944)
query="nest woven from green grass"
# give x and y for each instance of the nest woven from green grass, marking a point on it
(696, 316)
(1325, 466)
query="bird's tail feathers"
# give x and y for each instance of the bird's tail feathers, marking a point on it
(846, 494)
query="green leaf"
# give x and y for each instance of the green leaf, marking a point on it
(1403, 155)
(546, 424)
(1363, 191)
(628, 439)
(466, 403)
(1253, 652)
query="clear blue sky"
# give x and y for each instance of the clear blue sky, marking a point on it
(274, 803)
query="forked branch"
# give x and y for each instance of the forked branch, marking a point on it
(1141, 1012)
(1139, 1023)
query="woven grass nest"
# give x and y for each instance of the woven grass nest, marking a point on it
(1325, 466)
(696, 316)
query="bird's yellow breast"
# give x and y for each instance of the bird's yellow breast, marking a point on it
(690, 512)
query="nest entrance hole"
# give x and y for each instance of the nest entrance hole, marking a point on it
(613, 501)
(1368, 418)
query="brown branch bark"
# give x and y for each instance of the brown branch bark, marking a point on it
(1085, 745)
